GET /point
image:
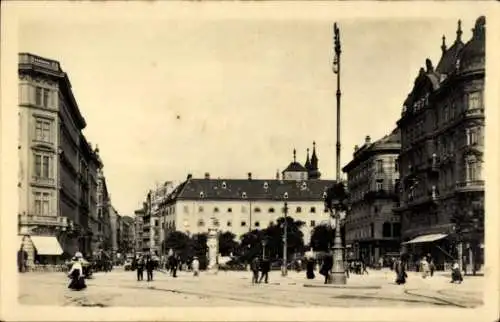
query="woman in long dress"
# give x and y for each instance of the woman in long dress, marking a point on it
(400, 272)
(76, 275)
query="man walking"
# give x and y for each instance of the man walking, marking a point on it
(149, 268)
(265, 267)
(195, 265)
(254, 266)
(140, 269)
(22, 258)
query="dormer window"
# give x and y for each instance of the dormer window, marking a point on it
(202, 194)
(266, 185)
(304, 186)
(224, 185)
(244, 195)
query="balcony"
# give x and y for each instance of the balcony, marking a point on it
(43, 220)
(476, 112)
(469, 186)
(28, 59)
(43, 181)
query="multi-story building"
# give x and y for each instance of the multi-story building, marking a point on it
(241, 205)
(139, 234)
(126, 235)
(55, 191)
(442, 143)
(104, 207)
(114, 223)
(372, 229)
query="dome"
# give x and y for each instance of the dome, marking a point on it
(472, 57)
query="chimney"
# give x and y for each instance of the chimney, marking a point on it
(207, 175)
(249, 176)
(368, 139)
(188, 177)
(277, 174)
(356, 148)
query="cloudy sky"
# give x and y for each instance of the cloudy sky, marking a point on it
(166, 96)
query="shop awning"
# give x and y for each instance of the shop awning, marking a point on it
(425, 238)
(47, 245)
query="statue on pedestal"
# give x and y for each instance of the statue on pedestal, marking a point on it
(212, 244)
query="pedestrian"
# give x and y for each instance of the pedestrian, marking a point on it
(175, 265)
(150, 264)
(310, 268)
(363, 266)
(77, 281)
(432, 267)
(140, 269)
(195, 266)
(265, 267)
(254, 266)
(401, 275)
(326, 267)
(22, 258)
(424, 267)
(456, 274)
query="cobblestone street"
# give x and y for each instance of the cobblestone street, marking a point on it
(120, 288)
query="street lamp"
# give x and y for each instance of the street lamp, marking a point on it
(284, 267)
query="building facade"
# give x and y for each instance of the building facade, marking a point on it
(104, 240)
(139, 233)
(55, 188)
(441, 160)
(372, 229)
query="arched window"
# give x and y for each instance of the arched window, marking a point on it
(386, 229)
(298, 210)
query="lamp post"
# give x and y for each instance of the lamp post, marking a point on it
(337, 200)
(284, 266)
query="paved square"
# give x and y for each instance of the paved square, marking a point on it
(120, 288)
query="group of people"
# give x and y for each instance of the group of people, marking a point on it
(145, 263)
(427, 268)
(262, 265)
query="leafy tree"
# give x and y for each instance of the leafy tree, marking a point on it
(178, 241)
(322, 238)
(199, 249)
(227, 243)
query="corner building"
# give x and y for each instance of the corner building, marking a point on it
(57, 166)
(441, 160)
(372, 229)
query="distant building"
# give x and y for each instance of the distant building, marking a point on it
(372, 229)
(241, 205)
(57, 166)
(441, 161)
(139, 234)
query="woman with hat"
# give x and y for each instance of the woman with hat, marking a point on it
(76, 273)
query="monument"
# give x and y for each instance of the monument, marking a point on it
(213, 248)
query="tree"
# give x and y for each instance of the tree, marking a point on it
(177, 241)
(322, 238)
(227, 243)
(199, 249)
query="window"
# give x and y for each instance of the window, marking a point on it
(380, 166)
(372, 230)
(216, 209)
(474, 100)
(257, 209)
(42, 203)
(386, 229)
(216, 223)
(201, 223)
(396, 165)
(271, 210)
(298, 210)
(200, 209)
(257, 224)
(379, 185)
(42, 130)
(396, 230)
(313, 223)
(42, 96)
(229, 223)
(156, 223)
(243, 223)
(313, 210)
(43, 166)
(229, 209)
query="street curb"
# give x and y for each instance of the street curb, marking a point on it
(359, 287)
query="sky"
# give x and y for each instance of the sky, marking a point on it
(164, 97)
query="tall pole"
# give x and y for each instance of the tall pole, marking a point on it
(284, 268)
(338, 274)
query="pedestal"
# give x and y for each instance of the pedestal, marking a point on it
(213, 249)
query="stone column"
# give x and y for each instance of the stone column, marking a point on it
(213, 249)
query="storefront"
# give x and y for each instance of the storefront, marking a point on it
(41, 250)
(438, 246)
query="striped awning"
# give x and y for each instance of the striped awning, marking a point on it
(425, 238)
